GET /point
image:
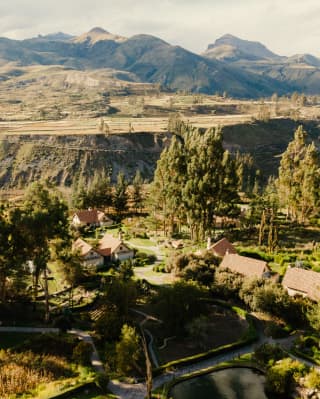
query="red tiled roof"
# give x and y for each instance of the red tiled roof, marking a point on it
(83, 247)
(248, 267)
(108, 241)
(104, 251)
(222, 247)
(90, 216)
(306, 282)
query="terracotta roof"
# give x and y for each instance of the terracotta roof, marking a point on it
(83, 247)
(90, 216)
(109, 242)
(307, 282)
(222, 247)
(177, 244)
(248, 267)
(104, 251)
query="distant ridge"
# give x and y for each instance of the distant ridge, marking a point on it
(242, 68)
(59, 36)
(301, 71)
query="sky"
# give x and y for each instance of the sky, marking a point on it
(286, 27)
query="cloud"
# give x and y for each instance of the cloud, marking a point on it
(286, 27)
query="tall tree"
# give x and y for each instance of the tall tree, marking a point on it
(195, 180)
(137, 196)
(13, 249)
(99, 193)
(46, 218)
(120, 199)
(299, 178)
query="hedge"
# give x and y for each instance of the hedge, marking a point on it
(304, 356)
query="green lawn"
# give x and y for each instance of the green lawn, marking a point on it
(143, 242)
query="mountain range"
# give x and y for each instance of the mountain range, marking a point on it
(241, 68)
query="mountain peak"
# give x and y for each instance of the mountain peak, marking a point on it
(229, 47)
(98, 34)
(228, 36)
(98, 31)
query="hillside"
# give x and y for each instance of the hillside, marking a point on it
(26, 158)
(62, 158)
(149, 58)
(301, 72)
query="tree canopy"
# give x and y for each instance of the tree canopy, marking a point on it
(299, 178)
(195, 180)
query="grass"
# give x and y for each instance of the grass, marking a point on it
(91, 393)
(11, 339)
(152, 277)
(143, 242)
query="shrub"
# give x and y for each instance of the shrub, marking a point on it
(256, 254)
(63, 323)
(102, 381)
(267, 354)
(50, 344)
(280, 376)
(312, 379)
(275, 331)
(82, 353)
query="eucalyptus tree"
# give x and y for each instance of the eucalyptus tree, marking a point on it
(137, 195)
(13, 250)
(120, 196)
(45, 219)
(299, 178)
(195, 180)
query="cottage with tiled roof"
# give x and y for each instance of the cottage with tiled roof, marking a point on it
(90, 217)
(90, 257)
(221, 248)
(248, 267)
(302, 282)
(114, 248)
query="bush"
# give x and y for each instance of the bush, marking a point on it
(50, 344)
(102, 381)
(161, 268)
(82, 353)
(267, 354)
(256, 254)
(312, 380)
(275, 331)
(281, 376)
(63, 323)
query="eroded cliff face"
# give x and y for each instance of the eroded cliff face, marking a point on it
(64, 158)
(61, 159)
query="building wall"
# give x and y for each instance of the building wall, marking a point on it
(92, 260)
(123, 255)
(293, 292)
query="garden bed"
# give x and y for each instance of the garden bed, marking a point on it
(223, 327)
